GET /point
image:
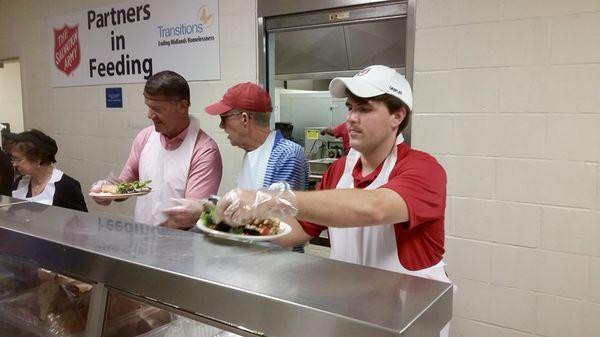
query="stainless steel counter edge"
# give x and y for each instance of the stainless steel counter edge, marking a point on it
(260, 288)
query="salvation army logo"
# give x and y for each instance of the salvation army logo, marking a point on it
(67, 53)
(205, 16)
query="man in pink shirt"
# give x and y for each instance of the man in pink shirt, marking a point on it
(180, 159)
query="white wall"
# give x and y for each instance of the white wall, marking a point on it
(507, 97)
(11, 102)
(94, 141)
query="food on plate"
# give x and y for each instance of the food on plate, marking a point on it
(134, 186)
(123, 188)
(109, 188)
(255, 227)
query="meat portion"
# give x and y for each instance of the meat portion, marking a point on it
(257, 227)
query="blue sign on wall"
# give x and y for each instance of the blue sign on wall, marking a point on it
(114, 97)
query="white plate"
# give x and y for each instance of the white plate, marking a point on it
(106, 195)
(286, 229)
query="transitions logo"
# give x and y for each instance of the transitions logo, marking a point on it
(184, 33)
(205, 16)
(67, 52)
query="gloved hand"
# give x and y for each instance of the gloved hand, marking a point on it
(237, 207)
(105, 185)
(185, 214)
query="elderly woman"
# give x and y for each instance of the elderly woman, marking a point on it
(33, 154)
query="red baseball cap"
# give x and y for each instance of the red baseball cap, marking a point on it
(243, 96)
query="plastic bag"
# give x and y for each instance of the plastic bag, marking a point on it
(111, 180)
(186, 212)
(105, 185)
(187, 206)
(238, 207)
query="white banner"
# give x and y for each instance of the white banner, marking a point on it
(129, 41)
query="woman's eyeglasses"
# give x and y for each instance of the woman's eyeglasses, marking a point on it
(16, 159)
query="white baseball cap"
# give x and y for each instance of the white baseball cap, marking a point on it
(373, 81)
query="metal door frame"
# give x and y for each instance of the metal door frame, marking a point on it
(271, 8)
(268, 8)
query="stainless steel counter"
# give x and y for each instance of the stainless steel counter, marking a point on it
(8, 201)
(258, 288)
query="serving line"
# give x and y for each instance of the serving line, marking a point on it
(261, 288)
(6, 201)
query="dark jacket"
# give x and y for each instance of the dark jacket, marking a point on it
(7, 174)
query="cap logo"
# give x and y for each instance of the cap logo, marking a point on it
(396, 90)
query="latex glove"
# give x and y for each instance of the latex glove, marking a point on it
(186, 213)
(98, 186)
(238, 207)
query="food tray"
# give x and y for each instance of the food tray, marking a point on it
(319, 166)
(189, 328)
(138, 322)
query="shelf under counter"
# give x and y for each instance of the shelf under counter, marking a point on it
(245, 288)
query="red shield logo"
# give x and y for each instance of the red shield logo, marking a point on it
(67, 53)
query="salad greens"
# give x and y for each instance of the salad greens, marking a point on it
(255, 227)
(134, 186)
(211, 220)
(209, 215)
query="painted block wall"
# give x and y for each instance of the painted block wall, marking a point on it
(507, 98)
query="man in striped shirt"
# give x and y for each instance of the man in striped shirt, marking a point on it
(245, 110)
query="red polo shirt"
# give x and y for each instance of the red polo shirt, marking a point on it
(421, 181)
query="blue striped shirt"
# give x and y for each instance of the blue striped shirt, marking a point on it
(287, 162)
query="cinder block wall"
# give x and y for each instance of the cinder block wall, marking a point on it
(95, 141)
(507, 98)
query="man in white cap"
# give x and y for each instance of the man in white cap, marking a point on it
(383, 204)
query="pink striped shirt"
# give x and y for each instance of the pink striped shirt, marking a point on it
(206, 167)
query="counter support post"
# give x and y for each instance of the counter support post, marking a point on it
(97, 310)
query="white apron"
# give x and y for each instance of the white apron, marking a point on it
(47, 194)
(168, 171)
(374, 246)
(254, 166)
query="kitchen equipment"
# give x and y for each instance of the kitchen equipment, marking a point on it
(319, 166)
(285, 128)
(317, 146)
(296, 68)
